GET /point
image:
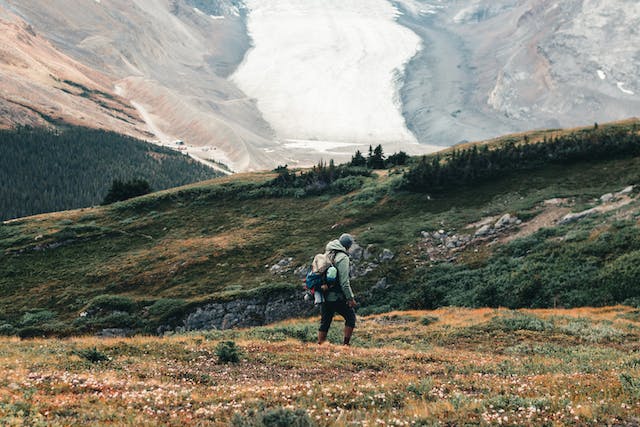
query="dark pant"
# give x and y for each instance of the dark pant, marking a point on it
(329, 309)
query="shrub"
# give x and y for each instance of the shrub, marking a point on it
(304, 333)
(93, 355)
(7, 330)
(32, 318)
(427, 320)
(586, 330)
(347, 184)
(630, 385)
(273, 418)
(121, 190)
(106, 303)
(520, 322)
(32, 332)
(228, 352)
(117, 319)
(168, 309)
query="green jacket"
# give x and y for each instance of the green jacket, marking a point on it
(341, 262)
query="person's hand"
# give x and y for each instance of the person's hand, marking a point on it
(351, 303)
(324, 288)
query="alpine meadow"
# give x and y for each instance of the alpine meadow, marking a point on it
(185, 306)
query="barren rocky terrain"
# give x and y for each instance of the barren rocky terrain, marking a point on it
(200, 71)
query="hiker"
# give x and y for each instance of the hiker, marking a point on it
(338, 298)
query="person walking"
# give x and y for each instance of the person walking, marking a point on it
(338, 298)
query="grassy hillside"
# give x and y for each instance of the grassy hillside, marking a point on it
(445, 367)
(218, 240)
(42, 170)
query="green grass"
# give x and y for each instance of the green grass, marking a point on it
(212, 240)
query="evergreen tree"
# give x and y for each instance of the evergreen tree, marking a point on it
(376, 158)
(358, 159)
(121, 190)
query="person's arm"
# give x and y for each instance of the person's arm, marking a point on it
(343, 273)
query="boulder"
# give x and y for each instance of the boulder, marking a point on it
(504, 221)
(483, 231)
(369, 252)
(356, 252)
(381, 284)
(301, 272)
(606, 198)
(573, 217)
(386, 255)
(626, 190)
(281, 265)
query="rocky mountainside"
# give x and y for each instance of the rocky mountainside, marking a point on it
(501, 66)
(41, 86)
(256, 84)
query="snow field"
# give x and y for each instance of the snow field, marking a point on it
(328, 70)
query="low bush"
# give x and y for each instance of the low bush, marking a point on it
(519, 322)
(107, 303)
(279, 417)
(168, 310)
(32, 318)
(7, 330)
(93, 355)
(32, 332)
(228, 352)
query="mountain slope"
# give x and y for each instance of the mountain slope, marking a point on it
(41, 86)
(45, 171)
(244, 238)
(259, 84)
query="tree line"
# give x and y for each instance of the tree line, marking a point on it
(469, 166)
(45, 170)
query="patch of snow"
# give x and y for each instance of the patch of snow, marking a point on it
(216, 17)
(198, 11)
(328, 69)
(624, 90)
(417, 8)
(602, 75)
(315, 145)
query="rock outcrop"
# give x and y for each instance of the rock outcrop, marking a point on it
(246, 312)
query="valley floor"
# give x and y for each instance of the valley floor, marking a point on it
(451, 366)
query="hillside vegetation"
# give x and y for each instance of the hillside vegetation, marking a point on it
(44, 170)
(446, 367)
(535, 236)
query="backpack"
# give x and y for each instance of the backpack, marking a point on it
(322, 272)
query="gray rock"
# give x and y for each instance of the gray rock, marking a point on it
(281, 265)
(301, 272)
(381, 284)
(503, 222)
(425, 234)
(626, 190)
(248, 312)
(573, 217)
(606, 198)
(386, 255)
(483, 231)
(369, 252)
(356, 252)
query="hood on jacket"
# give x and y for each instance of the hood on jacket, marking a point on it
(335, 245)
